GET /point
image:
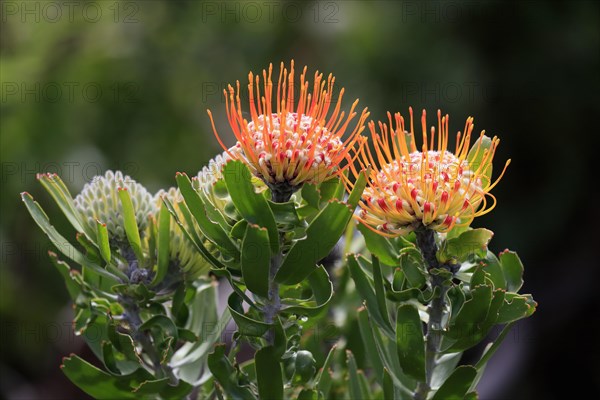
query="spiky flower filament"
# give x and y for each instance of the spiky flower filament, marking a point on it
(428, 186)
(298, 141)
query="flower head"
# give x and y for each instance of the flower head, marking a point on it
(99, 200)
(295, 142)
(433, 187)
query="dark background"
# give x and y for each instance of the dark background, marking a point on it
(87, 87)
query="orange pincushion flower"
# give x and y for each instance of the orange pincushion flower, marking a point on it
(295, 143)
(434, 187)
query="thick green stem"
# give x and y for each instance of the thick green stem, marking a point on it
(437, 307)
(279, 194)
(145, 341)
(273, 304)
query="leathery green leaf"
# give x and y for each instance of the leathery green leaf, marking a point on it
(192, 236)
(369, 344)
(353, 379)
(226, 375)
(251, 205)
(256, 260)
(103, 243)
(457, 385)
(359, 187)
(321, 236)
(268, 374)
(471, 242)
(131, 228)
(162, 265)
(410, 341)
(61, 195)
(100, 384)
(513, 270)
(65, 247)
(247, 326)
(322, 289)
(367, 292)
(212, 230)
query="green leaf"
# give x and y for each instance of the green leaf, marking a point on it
(191, 235)
(41, 219)
(479, 329)
(387, 351)
(359, 187)
(122, 342)
(367, 292)
(252, 206)
(211, 230)
(164, 225)
(471, 242)
(489, 352)
(212, 212)
(207, 325)
(321, 236)
(473, 312)
(108, 357)
(378, 282)
(187, 335)
(247, 326)
(239, 229)
(91, 249)
(323, 378)
(268, 374)
(331, 189)
(379, 245)
(444, 366)
(286, 215)
(164, 323)
(476, 158)
(164, 389)
(457, 385)
(369, 345)
(226, 375)
(131, 228)
(353, 379)
(102, 240)
(413, 270)
(237, 286)
(388, 386)
(310, 193)
(322, 289)
(494, 270)
(99, 384)
(410, 342)
(73, 287)
(516, 307)
(256, 260)
(513, 270)
(61, 195)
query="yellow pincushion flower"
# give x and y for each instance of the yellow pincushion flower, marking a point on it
(298, 141)
(433, 187)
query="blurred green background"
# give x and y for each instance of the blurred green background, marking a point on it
(88, 86)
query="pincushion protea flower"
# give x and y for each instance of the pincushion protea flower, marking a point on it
(99, 200)
(296, 142)
(432, 188)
